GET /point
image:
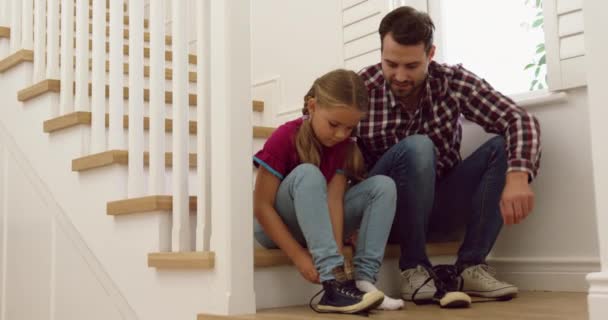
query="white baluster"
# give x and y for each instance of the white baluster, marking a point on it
(136, 98)
(39, 40)
(81, 99)
(116, 100)
(66, 96)
(27, 40)
(157, 98)
(98, 94)
(4, 13)
(181, 231)
(15, 25)
(202, 117)
(231, 174)
(52, 40)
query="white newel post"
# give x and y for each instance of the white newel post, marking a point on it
(596, 49)
(136, 99)
(181, 219)
(203, 217)
(231, 143)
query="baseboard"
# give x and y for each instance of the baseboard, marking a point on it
(546, 273)
(598, 295)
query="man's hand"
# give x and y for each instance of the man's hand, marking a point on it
(306, 267)
(517, 198)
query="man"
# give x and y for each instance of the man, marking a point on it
(413, 135)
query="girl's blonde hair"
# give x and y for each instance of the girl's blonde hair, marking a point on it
(338, 88)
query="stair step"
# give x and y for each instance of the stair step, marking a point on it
(54, 85)
(5, 32)
(145, 204)
(121, 157)
(264, 258)
(84, 118)
(182, 260)
(15, 59)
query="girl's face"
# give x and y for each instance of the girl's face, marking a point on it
(333, 125)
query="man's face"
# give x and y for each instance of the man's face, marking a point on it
(405, 67)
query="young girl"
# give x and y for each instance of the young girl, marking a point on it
(303, 203)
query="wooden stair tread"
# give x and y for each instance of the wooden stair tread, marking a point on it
(182, 260)
(54, 85)
(5, 32)
(276, 257)
(121, 157)
(84, 118)
(16, 58)
(145, 204)
(264, 258)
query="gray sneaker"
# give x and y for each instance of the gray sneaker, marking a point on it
(479, 281)
(414, 279)
(420, 285)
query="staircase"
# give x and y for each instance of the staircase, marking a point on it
(148, 170)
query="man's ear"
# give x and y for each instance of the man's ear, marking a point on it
(431, 53)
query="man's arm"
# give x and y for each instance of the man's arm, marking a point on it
(498, 114)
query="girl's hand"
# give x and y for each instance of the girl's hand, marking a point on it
(306, 267)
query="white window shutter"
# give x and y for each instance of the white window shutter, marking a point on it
(564, 43)
(361, 42)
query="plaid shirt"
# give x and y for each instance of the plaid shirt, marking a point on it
(449, 92)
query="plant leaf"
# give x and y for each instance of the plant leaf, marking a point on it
(538, 3)
(540, 86)
(529, 66)
(537, 72)
(537, 23)
(540, 49)
(543, 60)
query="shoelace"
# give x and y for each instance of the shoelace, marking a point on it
(444, 277)
(349, 289)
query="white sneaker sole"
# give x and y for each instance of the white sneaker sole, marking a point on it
(455, 300)
(370, 301)
(502, 293)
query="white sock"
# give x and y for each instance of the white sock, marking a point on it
(388, 303)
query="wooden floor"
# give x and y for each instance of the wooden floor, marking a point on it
(528, 306)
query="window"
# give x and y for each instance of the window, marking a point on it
(495, 39)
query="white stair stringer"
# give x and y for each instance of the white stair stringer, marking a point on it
(120, 244)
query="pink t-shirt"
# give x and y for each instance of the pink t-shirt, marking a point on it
(279, 155)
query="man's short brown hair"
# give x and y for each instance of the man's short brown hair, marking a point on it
(408, 26)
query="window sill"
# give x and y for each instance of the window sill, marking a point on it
(538, 98)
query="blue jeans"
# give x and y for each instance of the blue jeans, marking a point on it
(369, 206)
(469, 195)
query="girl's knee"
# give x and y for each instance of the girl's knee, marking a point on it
(383, 186)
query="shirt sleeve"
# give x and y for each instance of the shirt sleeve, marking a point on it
(275, 154)
(498, 114)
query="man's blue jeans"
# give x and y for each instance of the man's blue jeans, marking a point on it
(369, 207)
(468, 194)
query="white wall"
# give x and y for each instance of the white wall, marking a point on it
(557, 245)
(293, 43)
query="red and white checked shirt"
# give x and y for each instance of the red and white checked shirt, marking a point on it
(449, 92)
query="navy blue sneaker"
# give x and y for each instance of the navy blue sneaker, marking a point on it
(342, 296)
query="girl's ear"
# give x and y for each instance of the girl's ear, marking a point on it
(311, 105)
